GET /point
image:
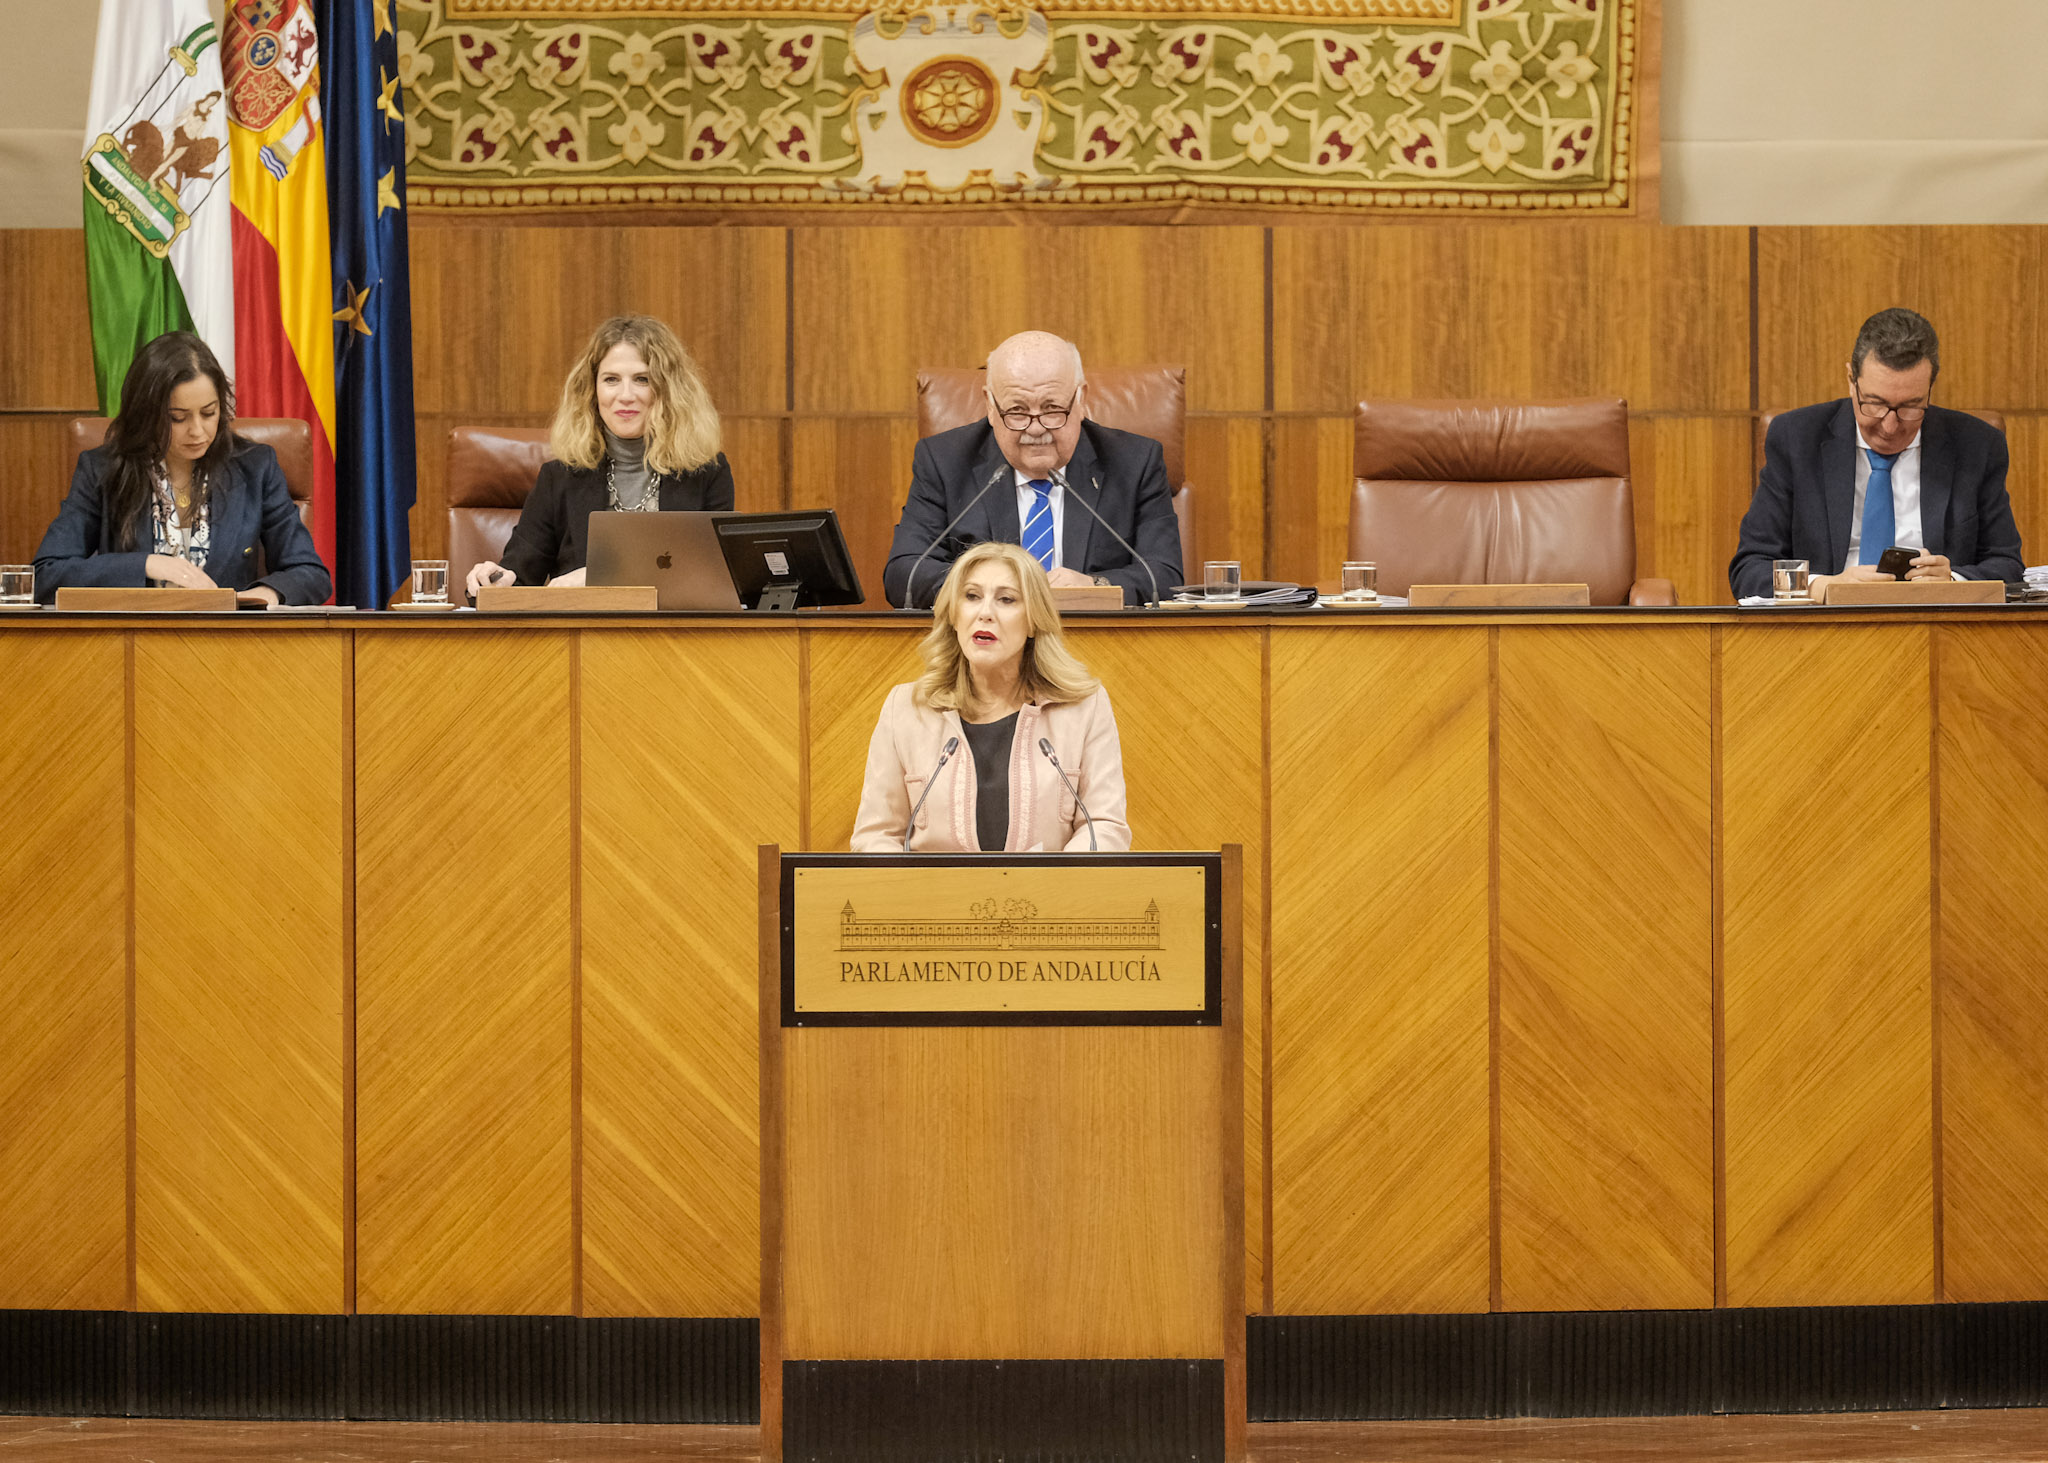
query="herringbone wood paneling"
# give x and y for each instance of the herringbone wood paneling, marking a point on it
(1380, 980)
(1826, 965)
(1994, 987)
(689, 761)
(874, 305)
(241, 848)
(463, 968)
(851, 671)
(1659, 316)
(63, 974)
(998, 1192)
(1190, 713)
(1606, 969)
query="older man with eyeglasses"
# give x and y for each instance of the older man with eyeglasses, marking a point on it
(1845, 480)
(1079, 496)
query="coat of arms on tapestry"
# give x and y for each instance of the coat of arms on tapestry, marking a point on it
(1509, 105)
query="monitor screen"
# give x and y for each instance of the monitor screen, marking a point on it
(780, 553)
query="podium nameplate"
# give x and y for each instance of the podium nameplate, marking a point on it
(1000, 939)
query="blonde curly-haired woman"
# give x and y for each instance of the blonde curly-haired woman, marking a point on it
(990, 746)
(635, 431)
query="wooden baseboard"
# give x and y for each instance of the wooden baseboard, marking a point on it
(585, 599)
(1515, 596)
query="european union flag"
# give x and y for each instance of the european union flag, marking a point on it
(374, 462)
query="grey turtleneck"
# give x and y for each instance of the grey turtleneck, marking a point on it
(629, 467)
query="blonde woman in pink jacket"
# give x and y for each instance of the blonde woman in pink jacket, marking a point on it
(1005, 739)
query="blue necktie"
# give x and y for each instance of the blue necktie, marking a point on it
(1878, 526)
(1038, 524)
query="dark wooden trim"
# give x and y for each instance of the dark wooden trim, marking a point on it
(769, 867)
(1231, 1138)
(1132, 1411)
(1648, 1363)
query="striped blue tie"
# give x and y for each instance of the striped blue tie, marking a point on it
(1877, 509)
(1038, 524)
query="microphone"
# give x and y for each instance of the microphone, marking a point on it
(1096, 481)
(910, 584)
(1046, 747)
(945, 755)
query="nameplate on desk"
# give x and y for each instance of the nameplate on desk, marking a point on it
(577, 599)
(1000, 942)
(123, 600)
(1499, 596)
(1913, 592)
(1087, 597)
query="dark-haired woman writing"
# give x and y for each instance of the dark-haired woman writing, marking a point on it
(173, 497)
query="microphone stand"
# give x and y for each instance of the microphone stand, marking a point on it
(1125, 543)
(910, 584)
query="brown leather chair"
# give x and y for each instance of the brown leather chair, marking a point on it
(1485, 492)
(490, 472)
(1149, 400)
(290, 438)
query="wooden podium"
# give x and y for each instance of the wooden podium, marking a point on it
(1001, 1156)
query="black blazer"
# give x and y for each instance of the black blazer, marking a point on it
(553, 534)
(253, 509)
(949, 468)
(1807, 493)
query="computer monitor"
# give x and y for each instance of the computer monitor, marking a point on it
(787, 561)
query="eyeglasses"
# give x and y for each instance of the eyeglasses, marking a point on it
(1877, 411)
(1052, 418)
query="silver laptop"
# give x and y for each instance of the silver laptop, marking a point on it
(677, 553)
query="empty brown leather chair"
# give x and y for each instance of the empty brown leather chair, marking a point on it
(1149, 400)
(1484, 492)
(290, 438)
(490, 472)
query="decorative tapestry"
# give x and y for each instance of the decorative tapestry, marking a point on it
(1327, 104)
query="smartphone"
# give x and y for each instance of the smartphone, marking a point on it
(1896, 561)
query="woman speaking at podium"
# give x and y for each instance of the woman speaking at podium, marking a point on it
(174, 497)
(1005, 742)
(634, 432)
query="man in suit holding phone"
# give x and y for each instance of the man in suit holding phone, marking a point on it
(1079, 496)
(1846, 480)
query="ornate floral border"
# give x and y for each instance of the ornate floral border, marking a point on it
(1529, 106)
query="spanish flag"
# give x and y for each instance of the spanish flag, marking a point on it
(284, 318)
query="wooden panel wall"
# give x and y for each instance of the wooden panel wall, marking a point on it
(810, 338)
(64, 974)
(243, 776)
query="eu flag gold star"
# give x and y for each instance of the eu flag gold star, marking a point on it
(380, 13)
(387, 192)
(351, 312)
(386, 99)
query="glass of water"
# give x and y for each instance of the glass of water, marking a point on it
(1361, 581)
(430, 581)
(17, 584)
(1222, 578)
(1790, 578)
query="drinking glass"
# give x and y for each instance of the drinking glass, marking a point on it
(1221, 579)
(1361, 581)
(1789, 578)
(17, 584)
(430, 581)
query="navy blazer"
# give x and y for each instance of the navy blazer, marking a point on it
(1122, 474)
(253, 508)
(1807, 495)
(552, 537)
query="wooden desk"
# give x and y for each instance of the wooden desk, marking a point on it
(1593, 960)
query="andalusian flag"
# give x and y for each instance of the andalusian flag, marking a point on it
(157, 253)
(284, 323)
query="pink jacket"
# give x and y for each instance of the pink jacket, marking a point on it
(906, 746)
